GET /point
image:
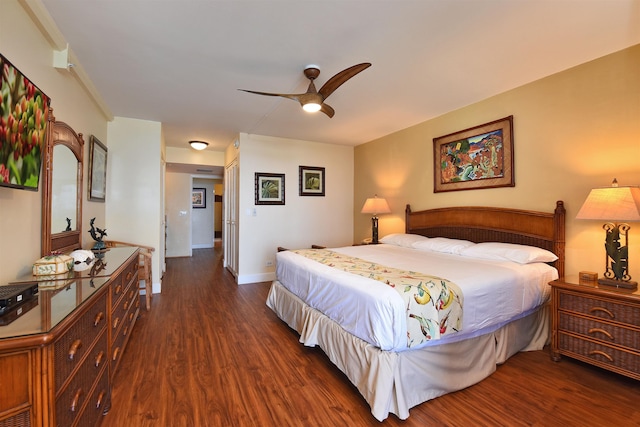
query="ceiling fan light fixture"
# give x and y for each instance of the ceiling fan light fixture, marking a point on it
(198, 145)
(311, 107)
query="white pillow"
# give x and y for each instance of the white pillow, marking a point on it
(443, 244)
(402, 239)
(521, 254)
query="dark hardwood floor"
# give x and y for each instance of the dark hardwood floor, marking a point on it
(211, 353)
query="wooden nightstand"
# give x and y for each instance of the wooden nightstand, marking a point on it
(597, 325)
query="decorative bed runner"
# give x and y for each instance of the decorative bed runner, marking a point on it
(434, 305)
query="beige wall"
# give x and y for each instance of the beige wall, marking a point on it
(573, 131)
(22, 43)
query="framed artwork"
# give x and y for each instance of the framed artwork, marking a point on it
(97, 170)
(269, 188)
(24, 114)
(311, 181)
(474, 158)
(199, 198)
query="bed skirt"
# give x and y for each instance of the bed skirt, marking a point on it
(394, 382)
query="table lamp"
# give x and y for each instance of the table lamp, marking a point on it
(375, 205)
(616, 205)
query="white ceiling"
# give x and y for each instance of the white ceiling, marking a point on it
(180, 62)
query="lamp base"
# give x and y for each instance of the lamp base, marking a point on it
(618, 283)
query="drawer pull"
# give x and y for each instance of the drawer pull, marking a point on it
(602, 331)
(98, 319)
(116, 322)
(100, 398)
(77, 344)
(76, 400)
(116, 352)
(125, 331)
(99, 358)
(602, 309)
(117, 289)
(126, 305)
(601, 353)
(129, 276)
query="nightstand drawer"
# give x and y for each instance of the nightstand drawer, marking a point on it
(599, 354)
(600, 307)
(602, 331)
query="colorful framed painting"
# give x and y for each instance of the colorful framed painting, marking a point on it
(199, 198)
(24, 117)
(474, 158)
(311, 181)
(269, 188)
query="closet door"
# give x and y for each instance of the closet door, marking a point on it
(231, 234)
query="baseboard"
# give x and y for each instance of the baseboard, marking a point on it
(202, 246)
(256, 278)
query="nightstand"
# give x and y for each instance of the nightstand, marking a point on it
(597, 325)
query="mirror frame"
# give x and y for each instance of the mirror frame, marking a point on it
(60, 133)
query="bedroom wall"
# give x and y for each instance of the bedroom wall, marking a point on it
(22, 43)
(302, 220)
(573, 131)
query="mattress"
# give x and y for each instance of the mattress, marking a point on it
(495, 292)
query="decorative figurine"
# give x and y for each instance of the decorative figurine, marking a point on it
(97, 234)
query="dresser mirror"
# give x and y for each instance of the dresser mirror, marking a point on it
(62, 189)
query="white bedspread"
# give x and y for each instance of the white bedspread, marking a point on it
(495, 292)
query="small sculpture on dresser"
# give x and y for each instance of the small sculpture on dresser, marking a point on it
(97, 234)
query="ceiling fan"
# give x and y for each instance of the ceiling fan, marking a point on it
(313, 100)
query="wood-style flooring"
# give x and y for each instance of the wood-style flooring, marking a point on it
(211, 353)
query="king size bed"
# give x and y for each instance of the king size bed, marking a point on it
(429, 311)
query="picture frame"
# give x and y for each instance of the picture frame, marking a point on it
(311, 181)
(199, 198)
(269, 188)
(475, 158)
(97, 170)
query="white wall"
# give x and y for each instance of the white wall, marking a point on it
(202, 218)
(302, 220)
(23, 43)
(134, 201)
(178, 212)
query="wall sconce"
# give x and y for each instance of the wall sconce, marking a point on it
(375, 206)
(198, 145)
(614, 204)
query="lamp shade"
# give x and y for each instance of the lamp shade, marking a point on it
(375, 205)
(612, 204)
(198, 145)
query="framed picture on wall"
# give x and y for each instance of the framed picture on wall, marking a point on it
(97, 170)
(311, 181)
(478, 157)
(199, 198)
(269, 188)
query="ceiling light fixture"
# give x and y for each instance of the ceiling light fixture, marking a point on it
(311, 107)
(198, 145)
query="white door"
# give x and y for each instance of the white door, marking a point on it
(230, 207)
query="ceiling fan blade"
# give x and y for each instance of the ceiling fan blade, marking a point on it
(294, 96)
(327, 110)
(336, 81)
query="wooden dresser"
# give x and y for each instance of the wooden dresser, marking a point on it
(598, 325)
(57, 359)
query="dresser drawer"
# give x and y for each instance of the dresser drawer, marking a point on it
(97, 403)
(70, 349)
(122, 332)
(600, 307)
(600, 354)
(71, 400)
(609, 333)
(119, 312)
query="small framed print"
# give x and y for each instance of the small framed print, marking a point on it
(269, 188)
(311, 181)
(97, 170)
(199, 198)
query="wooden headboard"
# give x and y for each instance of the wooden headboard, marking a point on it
(487, 224)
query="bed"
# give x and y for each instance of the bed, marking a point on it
(394, 372)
